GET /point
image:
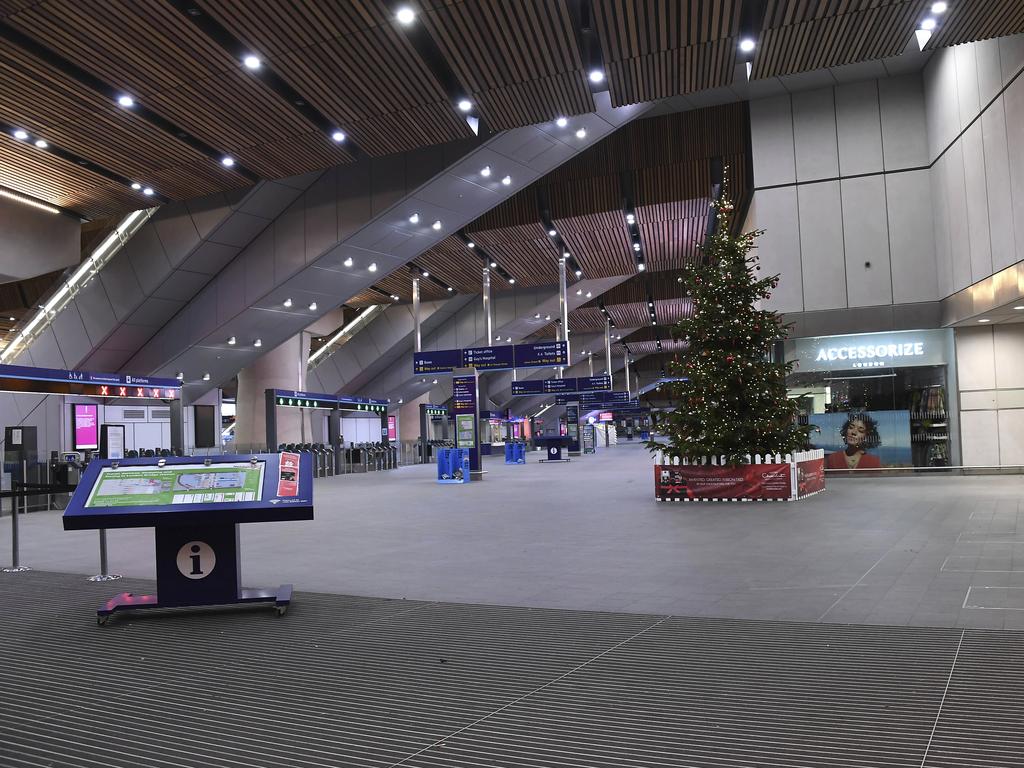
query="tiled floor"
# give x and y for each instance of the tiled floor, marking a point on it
(930, 551)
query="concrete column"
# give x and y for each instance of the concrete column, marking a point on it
(416, 312)
(488, 312)
(283, 367)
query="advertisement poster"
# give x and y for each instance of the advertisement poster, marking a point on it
(748, 481)
(863, 439)
(87, 430)
(392, 428)
(810, 477)
(288, 482)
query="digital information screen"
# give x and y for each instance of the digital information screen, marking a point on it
(177, 484)
(86, 426)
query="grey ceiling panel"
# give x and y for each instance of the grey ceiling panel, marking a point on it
(69, 331)
(210, 258)
(107, 360)
(259, 266)
(128, 338)
(45, 353)
(122, 286)
(95, 310)
(460, 195)
(154, 312)
(355, 206)
(290, 242)
(328, 377)
(201, 313)
(208, 212)
(238, 230)
(145, 253)
(176, 230)
(230, 287)
(267, 200)
(387, 182)
(321, 215)
(181, 285)
(864, 70)
(330, 282)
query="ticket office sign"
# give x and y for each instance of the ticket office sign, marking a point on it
(498, 358)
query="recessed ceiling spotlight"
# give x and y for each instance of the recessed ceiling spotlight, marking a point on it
(547, 317)
(232, 340)
(434, 381)
(630, 218)
(287, 303)
(641, 266)
(450, 289)
(581, 133)
(465, 105)
(537, 316)
(126, 101)
(436, 225)
(227, 161)
(393, 297)
(485, 171)
(511, 281)
(258, 343)
(180, 375)
(579, 292)
(471, 244)
(373, 267)
(206, 377)
(312, 306)
(746, 45)
(405, 15)
(508, 339)
(425, 273)
(589, 295)
(636, 246)
(579, 273)
(414, 219)
(20, 135)
(596, 76)
(41, 144)
(347, 262)
(552, 232)
(561, 122)
(400, 401)
(252, 62)
(928, 25)
(506, 180)
(938, 8)
(136, 185)
(494, 264)
(338, 136)
(148, 191)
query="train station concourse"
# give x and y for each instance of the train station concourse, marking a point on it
(513, 383)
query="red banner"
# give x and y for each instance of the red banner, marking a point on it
(747, 481)
(810, 477)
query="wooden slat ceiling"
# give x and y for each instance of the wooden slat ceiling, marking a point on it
(964, 22)
(524, 251)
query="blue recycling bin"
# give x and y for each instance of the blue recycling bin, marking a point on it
(453, 465)
(515, 453)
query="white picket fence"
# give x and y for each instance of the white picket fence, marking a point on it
(792, 459)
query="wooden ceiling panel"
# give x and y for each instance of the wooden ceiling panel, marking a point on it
(455, 265)
(599, 242)
(964, 22)
(519, 61)
(525, 252)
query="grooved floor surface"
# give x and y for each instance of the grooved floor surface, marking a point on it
(348, 681)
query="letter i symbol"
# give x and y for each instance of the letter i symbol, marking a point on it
(196, 570)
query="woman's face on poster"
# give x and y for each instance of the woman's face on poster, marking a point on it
(856, 433)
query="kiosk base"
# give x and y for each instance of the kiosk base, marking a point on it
(127, 601)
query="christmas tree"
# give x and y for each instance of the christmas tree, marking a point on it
(733, 401)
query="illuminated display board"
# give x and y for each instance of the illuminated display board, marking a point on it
(19, 378)
(288, 398)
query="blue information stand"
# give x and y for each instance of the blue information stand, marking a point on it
(515, 453)
(195, 505)
(453, 465)
(553, 446)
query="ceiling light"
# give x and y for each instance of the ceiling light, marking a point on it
(41, 144)
(252, 62)
(405, 15)
(136, 185)
(147, 191)
(494, 265)
(206, 377)
(581, 133)
(425, 273)
(465, 105)
(1018, 307)
(928, 25)
(435, 381)
(338, 136)
(636, 246)
(506, 180)
(471, 244)
(414, 219)
(28, 201)
(227, 161)
(552, 233)
(232, 341)
(561, 122)
(579, 273)
(537, 316)
(287, 303)
(653, 322)
(312, 306)
(347, 262)
(373, 267)
(579, 292)
(20, 135)
(547, 317)
(746, 45)
(450, 289)
(497, 338)
(938, 8)
(126, 101)
(641, 266)
(11, 319)
(511, 281)
(984, 320)
(508, 339)
(485, 171)
(400, 401)
(393, 297)
(630, 218)
(589, 294)
(596, 76)
(180, 375)
(436, 225)
(258, 343)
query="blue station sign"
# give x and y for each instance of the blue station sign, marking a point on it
(20, 378)
(498, 358)
(553, 386)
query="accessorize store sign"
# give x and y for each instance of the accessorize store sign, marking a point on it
(896, 349)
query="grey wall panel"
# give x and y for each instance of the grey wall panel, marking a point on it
(941, 108)
(210, 258)
(1013, 102)
(943, 249)
(289, 242)
(121, 284)
(380, 333)
(990, 76)
(259, 266)
(967, 96)
(108, 360)
(771, 135)
(904, 130)
(1011, 56)
(997, 184)
(956, 199)
(177, 232)
(911, 237)
(348, 367)
(267, 200)
(238, 230)
(145, 253)
(95, 311)
(775, 210)
(859, 126)
(364, 355)
(321, 212)
(467, 330)
(231, 290)
(128, 338)
(181, 285)
(154, 312)
(202, 315)
(69, 330)
(814, 135)
(866, 241)
(387, 182)
(45, 353)
(421, 165)
(977, 203)
(355, 203)
(35, 242)
(821, 246)
(208, 212)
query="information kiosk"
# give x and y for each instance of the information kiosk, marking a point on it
(195, 507)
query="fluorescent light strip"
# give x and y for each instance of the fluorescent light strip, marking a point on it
(365, 314)
(28, 201)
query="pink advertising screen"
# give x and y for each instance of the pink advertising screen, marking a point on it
(85, 423)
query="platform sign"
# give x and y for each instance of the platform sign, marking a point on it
(293, 398)
(20, 378)
(559, 385)
(438, 361)
(540, 355)
(593, 398)
(520, 388)
(601, 383)
(488, 358)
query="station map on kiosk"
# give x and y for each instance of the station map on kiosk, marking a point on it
(177, 484)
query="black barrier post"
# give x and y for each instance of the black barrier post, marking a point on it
(177, 427)
(16, 567)
(271, 411)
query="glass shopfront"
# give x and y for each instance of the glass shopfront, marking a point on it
(877, 400)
